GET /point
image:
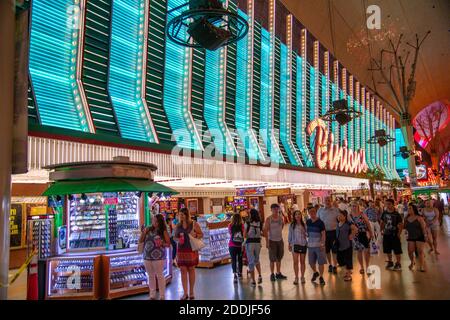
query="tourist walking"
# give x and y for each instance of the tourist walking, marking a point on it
(315, 230)
(391, 228)
(361, 241)
(417, 234)
(345, 233)
(328, 214)
(236, 230)
(297, 245)
(155, 239)
(273, 232)
(187, 259)
(431, 215)
(374, 219)
(252, 234)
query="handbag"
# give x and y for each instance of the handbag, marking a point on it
(196, 244)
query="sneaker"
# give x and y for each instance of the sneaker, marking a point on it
(330, 268)
(296, 281)
(334, 270)
(302, 280)
(281, 276)
(390, 265)
(315, 276)
(322, 282)
(397, 267)
(253, 284)
(259, 279)
(272, 277)
(235, 280)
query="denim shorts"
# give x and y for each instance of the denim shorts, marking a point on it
(316, 255)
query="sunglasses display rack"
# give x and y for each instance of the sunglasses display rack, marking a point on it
(87, 222)
(41, 237)
(124, 274)
(73, 278)
(216, 238)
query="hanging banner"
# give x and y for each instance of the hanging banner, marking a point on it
(258, 191)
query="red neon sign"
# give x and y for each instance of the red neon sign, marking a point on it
(332, 156)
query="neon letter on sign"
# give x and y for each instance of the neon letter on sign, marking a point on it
(332, 156)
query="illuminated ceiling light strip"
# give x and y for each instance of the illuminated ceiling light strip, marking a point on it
(267, 79)
(127, 70)
(352, 105)
(344, 129)
(326, 56)
(358, 120)
(286, 95)
(177, 89)
(335, 94)
(244, 89)
(302, 103)
(54, 64)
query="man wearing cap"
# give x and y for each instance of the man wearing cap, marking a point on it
(273, 232)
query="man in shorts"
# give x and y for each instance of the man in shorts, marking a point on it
(391, 229)
(329, 215)
(273, 232)
(315, 229)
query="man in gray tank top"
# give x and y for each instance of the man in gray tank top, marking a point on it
(273, 232)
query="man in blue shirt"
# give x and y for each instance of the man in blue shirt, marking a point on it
(315, 229)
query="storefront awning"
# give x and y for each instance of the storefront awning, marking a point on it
(105, 185)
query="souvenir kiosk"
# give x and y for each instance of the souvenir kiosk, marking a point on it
(104, 207)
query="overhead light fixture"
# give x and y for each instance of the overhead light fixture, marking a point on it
(341, 113)
(381, 138)
(207, 23)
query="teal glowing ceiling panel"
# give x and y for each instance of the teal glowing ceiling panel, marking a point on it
(313, 114)
(127, 69)
(214, 94)
(243, 119)
(350, 136)
(266, 107)
(325, 87)
(301, 113)
(176, 100)
(53, 63)
(285, 108)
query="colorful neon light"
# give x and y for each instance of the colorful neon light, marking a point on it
(332, 156)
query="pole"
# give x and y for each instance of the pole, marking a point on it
(7, 54)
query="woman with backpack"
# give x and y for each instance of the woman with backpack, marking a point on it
(297, 244)
(236, 230)
(252, 234)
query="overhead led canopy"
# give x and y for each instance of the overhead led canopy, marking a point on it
(55, 50)
(127, 69)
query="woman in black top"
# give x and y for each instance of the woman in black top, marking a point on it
(416, 228)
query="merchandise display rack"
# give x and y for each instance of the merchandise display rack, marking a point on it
(216, 238)
(61, 282)
(124, 274)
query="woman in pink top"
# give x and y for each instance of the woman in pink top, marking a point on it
(236, 229)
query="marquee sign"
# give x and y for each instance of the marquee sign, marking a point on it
(329, 155)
